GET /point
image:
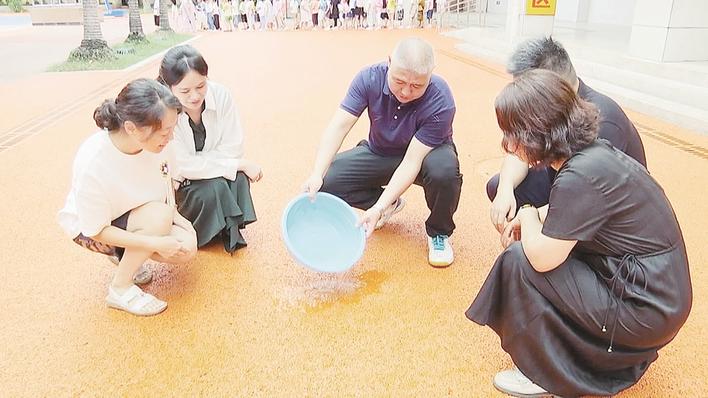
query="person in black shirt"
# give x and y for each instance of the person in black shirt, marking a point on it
(592, 285)
(517, 184)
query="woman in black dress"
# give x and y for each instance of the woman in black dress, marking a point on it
(592, 285)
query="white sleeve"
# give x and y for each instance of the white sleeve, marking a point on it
(92, 207)
(199, 167)
(223, 159)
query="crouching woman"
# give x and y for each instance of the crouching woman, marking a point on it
(119, 201)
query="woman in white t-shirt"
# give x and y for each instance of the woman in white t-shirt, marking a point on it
(215, 177)
(121, 201)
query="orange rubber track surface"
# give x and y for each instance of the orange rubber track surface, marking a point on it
(257, 324)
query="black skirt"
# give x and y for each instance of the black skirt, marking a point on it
(593, 325)
(218, 208)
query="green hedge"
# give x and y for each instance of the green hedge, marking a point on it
(15, 5)
(25, 2)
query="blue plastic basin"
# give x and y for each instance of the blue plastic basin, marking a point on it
(322, 235)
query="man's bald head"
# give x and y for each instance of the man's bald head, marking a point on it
(415, 55)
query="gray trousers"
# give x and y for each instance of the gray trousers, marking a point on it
(358, 176)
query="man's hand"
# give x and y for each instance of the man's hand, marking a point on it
(513, 172)
(312, 185)
(503, 209)
(369, 219)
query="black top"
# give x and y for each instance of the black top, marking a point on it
(615, 126)
(592, 325)
(199, 132)
(610, 204)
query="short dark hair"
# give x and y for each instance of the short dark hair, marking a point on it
(542, 53)
(178, 61)
(142, 101)
(543, 119)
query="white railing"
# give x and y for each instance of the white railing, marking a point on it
(462, 13)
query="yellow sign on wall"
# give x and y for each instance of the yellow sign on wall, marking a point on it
(540, 7)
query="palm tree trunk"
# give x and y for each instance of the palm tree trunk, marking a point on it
(134, 22)
(165, 6)
(92, 27)
(92, 47)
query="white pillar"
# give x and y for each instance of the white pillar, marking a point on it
(573, 10)
(521, 24)
(670, 30)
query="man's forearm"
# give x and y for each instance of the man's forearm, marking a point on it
(332, 139)
(330, 144)
(402, 178)
(513, 172)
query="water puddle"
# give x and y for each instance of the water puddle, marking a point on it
(315, 292)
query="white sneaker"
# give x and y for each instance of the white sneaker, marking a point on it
(440, 253)
(394, 208)
(514, 383)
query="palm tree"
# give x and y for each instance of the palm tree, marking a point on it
(165, 6)
(93, 47)
(135, 23)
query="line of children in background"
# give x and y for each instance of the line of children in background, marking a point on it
(230, 15)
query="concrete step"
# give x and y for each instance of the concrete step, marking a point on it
(675, 92)
(490, 54)
(691, 73)
(687, 116)
(672, 90)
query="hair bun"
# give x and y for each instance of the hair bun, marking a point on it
(106, 116)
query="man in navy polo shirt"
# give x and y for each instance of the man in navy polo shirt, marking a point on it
(517, 184)
(410, 141)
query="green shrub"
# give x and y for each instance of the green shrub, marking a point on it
(15, 5)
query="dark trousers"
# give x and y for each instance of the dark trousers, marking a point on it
(358, 176)
(534, 189)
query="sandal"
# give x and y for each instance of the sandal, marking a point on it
(135, 301)
(142, 277)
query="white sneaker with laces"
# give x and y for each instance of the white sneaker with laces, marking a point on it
(514, 383)
(394, 208)
(440, 254)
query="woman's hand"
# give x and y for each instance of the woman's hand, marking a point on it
(169, 246)
(369, 219)
(511, 232)
(252, 170)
